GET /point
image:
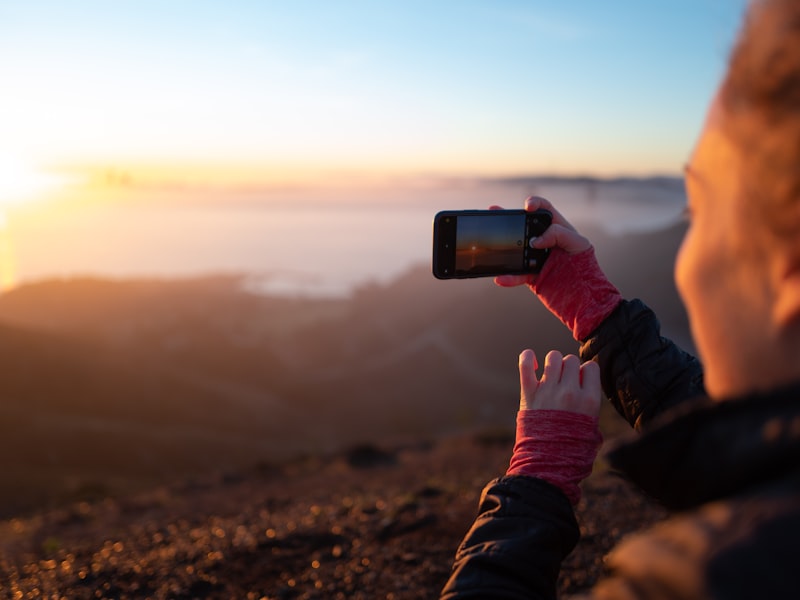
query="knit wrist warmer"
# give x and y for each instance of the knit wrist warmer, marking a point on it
(557, 446)
(575, 289)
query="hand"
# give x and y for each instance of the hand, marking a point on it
(557, 424)
(565, 384)
(561, 234)
(571, 284)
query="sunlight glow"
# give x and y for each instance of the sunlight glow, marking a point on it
(8, 273)
(20, 182)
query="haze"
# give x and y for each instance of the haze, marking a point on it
(114, 114)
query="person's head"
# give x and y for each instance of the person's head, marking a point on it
(738, 270)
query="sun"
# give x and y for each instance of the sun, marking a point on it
(21, 182)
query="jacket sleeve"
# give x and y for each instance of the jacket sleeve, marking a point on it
(524, 530)
(643, 374)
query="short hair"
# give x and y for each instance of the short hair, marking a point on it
(760, 97)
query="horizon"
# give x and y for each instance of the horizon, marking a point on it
(295, 240)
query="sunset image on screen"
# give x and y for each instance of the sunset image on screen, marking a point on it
(489, 244)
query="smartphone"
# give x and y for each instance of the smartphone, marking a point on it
(485, 243)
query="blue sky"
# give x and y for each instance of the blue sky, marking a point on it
(363, 87)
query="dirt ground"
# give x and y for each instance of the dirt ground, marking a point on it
(368, 523)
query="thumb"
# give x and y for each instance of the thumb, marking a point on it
(558, 236)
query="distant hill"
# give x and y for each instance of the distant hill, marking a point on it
(109, 385)
(641, 265)
(674, 182)
(80, 418)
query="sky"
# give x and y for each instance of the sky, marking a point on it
(273, 91)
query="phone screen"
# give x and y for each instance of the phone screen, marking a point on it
(484, 243)
(489, 245)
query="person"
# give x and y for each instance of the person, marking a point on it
(719, 441)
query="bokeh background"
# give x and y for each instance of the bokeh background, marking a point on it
(215, 218)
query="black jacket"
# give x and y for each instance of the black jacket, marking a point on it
(731, 470)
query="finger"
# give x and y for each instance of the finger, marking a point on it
(591, 389)
(527, 369)
(527, 378)
(590, 377)
(528, 363)
(558, 236)
(552, 367)
(533, 203)
(513, 280)
(571, 370)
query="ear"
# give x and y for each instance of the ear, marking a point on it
(786, 310)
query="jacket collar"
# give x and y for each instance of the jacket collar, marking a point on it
(705, 450)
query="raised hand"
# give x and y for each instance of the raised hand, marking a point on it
(565, 384)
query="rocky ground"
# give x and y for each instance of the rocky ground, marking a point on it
(369, 523)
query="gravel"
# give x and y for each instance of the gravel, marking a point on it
(368, 523)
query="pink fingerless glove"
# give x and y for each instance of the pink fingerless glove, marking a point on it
(557, 446)
(575, 289)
